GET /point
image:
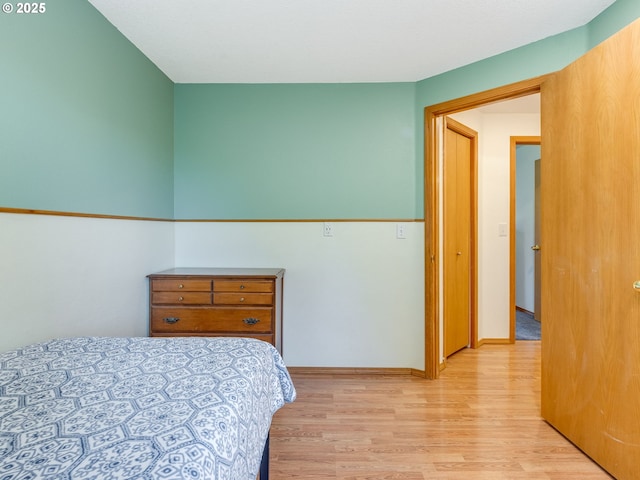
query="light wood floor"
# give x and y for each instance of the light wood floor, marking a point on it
(480, 420)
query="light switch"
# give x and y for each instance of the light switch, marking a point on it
(503, 230)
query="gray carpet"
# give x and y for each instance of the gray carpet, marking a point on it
(526, 327)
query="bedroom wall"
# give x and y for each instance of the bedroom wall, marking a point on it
(87, 119)
(305, 153)
(68, 276)
(352, 300)
(86, 125)
(90, 129)
(295, 151)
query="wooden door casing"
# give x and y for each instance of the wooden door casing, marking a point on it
(432, 244)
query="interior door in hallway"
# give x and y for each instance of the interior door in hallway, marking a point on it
(459, 151)
(537, 277)
(590, 246)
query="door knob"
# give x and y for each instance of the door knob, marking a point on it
(636, 285)
(535, 248)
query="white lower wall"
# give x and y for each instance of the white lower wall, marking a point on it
(70, 276)
(352, 300)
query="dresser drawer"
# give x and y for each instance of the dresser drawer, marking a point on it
(177, 285)
(243, 299)
(211, 320)
(241, 286)
(181, 298)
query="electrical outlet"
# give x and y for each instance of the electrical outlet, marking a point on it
(327, 229)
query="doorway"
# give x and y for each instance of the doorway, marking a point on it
(525, 293)
(433, 292)
(589, 380)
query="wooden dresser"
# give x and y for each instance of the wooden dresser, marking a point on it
(211, 302)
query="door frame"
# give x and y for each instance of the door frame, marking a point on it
(514, 142)
(431, 203)
(472, 317)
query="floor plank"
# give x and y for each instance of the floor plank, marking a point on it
(480, 420)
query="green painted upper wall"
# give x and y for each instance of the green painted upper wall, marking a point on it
(620, 14)
(89, 124)
(86, 120)
(294, 151)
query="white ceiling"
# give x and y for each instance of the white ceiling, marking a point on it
(301, 41)
(527, 104)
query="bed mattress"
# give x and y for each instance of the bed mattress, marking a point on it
(139, 408)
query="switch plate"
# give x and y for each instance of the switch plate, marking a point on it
(502, 230)
(401, 230)
(327, 229)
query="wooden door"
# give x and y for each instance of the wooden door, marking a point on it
(590, 252)
(537, 294)
(458, 150)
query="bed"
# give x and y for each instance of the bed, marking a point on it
(139, 408)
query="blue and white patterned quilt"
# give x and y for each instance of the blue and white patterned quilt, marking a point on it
(139, 408)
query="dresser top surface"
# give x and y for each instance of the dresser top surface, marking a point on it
(220, 272)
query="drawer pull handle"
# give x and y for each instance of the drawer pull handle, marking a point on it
(251, 320)
(241, 287)
(171, 320)
(242, 299)
(180, 298)
(181, 286)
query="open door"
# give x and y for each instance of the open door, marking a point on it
(537, 274)
(590, 250)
